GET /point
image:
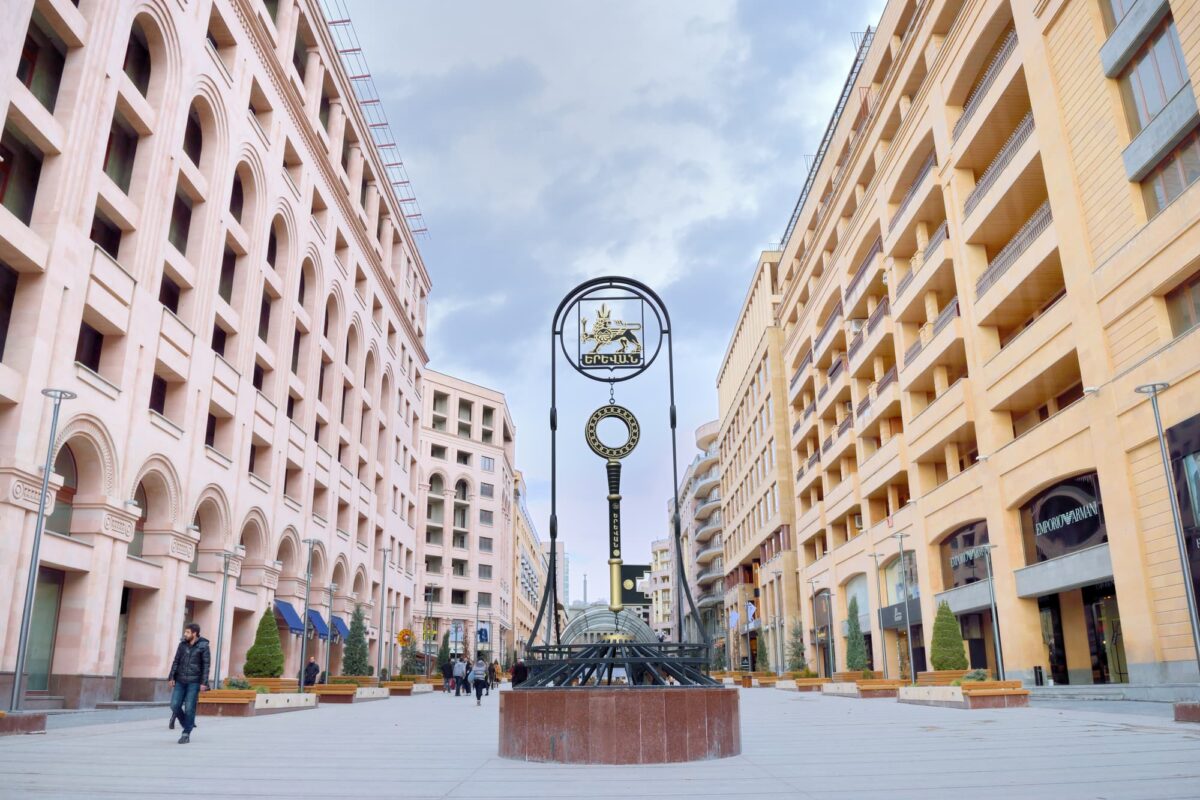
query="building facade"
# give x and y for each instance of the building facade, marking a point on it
(659, 588)
(754, 475)
(465, 540)
(996, 248)
(197, 238)
(562, 569)
(700, 542)
(529, 573)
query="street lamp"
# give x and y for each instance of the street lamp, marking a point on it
(1153, 389)
(307, 588)
(781, 625)
(329, 642)
(238, 552)
(879, 612)
(57, 395)
(392, 639)
(428, 644)
(900, 537)
(387, 553)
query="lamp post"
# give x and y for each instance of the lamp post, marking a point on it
(383, 604)
(392, 639)
(57, 395)
(329, 642)
(879, 613)
(477, 627)
(781, 625)
(829, 616)
(812, 584)
(1153, 389)
(912, 672)
(428, 616)
(305, 624)
(240, 550)
(987, 560)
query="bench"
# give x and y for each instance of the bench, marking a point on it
(767, 683)
(398, 688)
(226, 703)
(995, 694)
(852, 677)
(334, 692)
(276, 685)
(941, 677)
(810, 684)
(873, 688)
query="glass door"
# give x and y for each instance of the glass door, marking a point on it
(42, 629)
(1104, 634)
(1052, 635)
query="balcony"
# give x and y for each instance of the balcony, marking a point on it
(705, 508)
(858, 280)
(702, 484)
(913, 193)
(940, 343)
(799, 377)
(876, 336)
(930, 270)
(709, 553)
(1025, 273)
(710, 599)
(842, 439)
(1032, 352)
(939, 421)
(987, 80)
(812, 472)
(1006, 156)
(710, 576)
(882, 400)
(829, 331)
(837, 386)
(883, 466)
(843, 498)
(811, 522)
(709, 457)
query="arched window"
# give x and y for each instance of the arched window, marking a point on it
(193, 136)
(460, 490)
(302, 287)
(59, 520)
(272, 247)
(436, 486)
(139, 527)
(237, 198)
(137, 59)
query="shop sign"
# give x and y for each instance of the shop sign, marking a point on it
(896, 616)
(1067, 517)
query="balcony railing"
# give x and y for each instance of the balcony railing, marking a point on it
(888, 378)
(814, 459)
(800, 369)
(975, 98)
(845, 425)
(907, 279)
(861, 272)
(827, 328)
(836, 368)
(914, 349)
(855, 344)
(990, 175)
(881, 311)
(940, 235)
(926, 168)
(828, 443)
(796, 426)
(1008, 255)
(946, 316)
(862, 406)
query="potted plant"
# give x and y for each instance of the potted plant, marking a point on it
(264, 659)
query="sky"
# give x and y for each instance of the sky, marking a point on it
(551, 141)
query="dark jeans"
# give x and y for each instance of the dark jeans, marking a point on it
(183, 704)
(460, 684)
(479, 687)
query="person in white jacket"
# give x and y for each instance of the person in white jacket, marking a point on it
(479, 680)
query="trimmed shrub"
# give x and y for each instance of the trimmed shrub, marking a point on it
(856, 643)
(264, 659)
(356, 657)
(444, 651)
(947, 651)
(236, 683)
(764, 664)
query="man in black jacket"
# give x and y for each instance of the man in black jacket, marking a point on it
(188, 677)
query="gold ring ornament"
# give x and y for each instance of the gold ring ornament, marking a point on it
(631, 427)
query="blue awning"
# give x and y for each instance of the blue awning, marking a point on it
(339, 627)
(318, 624)
(285, 610)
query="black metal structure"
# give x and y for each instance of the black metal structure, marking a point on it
(553, 663)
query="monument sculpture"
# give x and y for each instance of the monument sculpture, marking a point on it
(629, 697)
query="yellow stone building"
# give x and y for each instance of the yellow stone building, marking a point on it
(755, 471)
(997, 244)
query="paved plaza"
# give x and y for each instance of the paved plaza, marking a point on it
(795, 746)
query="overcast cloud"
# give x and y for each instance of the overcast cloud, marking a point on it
(553, 141)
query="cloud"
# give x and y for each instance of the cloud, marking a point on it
(552, 141)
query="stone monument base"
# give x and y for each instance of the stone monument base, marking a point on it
(620, 725)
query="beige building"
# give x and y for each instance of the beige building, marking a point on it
(465, 541)
(198, 238)
(997, 244)
(659, 588)
(755, 473)
(701, 541)
(529, 573)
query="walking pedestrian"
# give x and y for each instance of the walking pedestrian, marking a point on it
(479, 679)
(312, 671)
(495, 674)
(460, 676)
(520, 673)
(188, 677)
(447, 675)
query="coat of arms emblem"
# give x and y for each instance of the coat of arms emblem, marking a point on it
(607, 331)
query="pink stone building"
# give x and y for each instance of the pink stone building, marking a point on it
(197, 236)
(465, 541)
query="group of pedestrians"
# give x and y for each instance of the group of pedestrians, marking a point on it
(459, 674)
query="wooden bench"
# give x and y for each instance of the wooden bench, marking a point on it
(226, 703)
(878, 687)
(334, 692)
(767, 683)
(276, 685)
(941, 677)
(810, 684)
(995, 694)
(398, 688)
(853, 677)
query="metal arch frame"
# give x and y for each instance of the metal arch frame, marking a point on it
(553, 635)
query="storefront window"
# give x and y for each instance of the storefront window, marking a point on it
(896, 581)
(963, 560)
(1067, 517)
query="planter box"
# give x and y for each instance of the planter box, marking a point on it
(276, 685)
(766, 683)
(840, 689)
(22, 722)
(785, 683)
(226, 703)
(853, 677)
(1184, 712)
(353, 680)
(334, 692)
(425, 688)
(863, 689)
(975, 695)
(364, 693)
(399, 688)
(940, 677)
(810, 684)
(280, 702)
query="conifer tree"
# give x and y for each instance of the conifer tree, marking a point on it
(356, 659)
(764, 664)
(856, 643)
(264, 659)
(947, 651)
(797, 661)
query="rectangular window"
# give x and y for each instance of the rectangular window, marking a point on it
(20, 172)
(1183, 306)
(228, 273)
(487, 490)
(485, 599)
(219, 338)
(463, 458)
(41, 64)
(1176, 172)
(438, 451)
(291, 407)
(486, 517)
(158, 394)
(168, 294)
(119, 154)
(105, 234)
(210, 431)
(264, 317)
(137, 60)
(296, 352)
(485, 571)
(181, 222)
(258, 377)
(89, 347)
(8, 298)
(1154, 75)
(488, 463)
(485, 544)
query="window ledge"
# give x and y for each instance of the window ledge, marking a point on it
(217, 457)
(163, 424)
(97, 381)
(1175, 121)
(1130, 34)
(258, 482)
